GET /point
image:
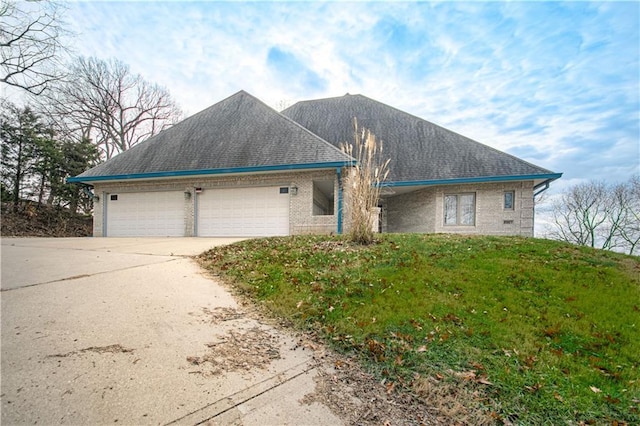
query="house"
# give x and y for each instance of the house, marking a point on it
(240, 168)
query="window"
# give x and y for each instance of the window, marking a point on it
(323, 196)
(114, 197)
(509, 200)
(460, 209)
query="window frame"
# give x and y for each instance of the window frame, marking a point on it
(513, 200)
(459, 209)
(329, 210)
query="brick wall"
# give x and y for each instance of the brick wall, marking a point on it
(411, 212)
(423, 210)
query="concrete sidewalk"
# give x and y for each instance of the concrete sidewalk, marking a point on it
(130, 331)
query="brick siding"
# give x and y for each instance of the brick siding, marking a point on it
(423, 210)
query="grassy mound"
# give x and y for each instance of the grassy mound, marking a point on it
(488, 329)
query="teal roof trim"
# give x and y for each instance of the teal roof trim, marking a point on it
(547, 177)
(232, 170)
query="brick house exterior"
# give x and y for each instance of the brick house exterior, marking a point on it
(244, 164)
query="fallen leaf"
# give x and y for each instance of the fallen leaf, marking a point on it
(390, 386)
(477, 365)
(466, 375)
(484, 381)
(611, 400)
(594, 389)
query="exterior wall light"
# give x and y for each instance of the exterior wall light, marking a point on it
(187, 195)
(294, 190)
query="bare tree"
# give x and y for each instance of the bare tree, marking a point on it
(626, 222)
(104, 102)
(364, 183)
(599, 215)
(30, 44)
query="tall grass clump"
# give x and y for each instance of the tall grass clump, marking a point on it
(363, 184)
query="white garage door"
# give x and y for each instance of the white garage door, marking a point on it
(145, 214)
(243, 212)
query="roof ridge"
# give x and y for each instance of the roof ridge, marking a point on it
(440, 127)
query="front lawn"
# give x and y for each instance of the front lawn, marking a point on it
(500, 329)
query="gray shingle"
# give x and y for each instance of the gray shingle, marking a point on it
(419, 150)
(238, 132)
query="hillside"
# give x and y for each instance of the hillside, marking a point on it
(484, 329)
(35, 220)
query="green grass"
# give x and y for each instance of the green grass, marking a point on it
(536, 331)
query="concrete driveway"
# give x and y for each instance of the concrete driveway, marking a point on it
(131, 331)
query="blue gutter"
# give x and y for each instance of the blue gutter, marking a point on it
(182, 173)
(548, 178)
(339, 172)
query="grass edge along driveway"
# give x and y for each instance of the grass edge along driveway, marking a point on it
(486, 329)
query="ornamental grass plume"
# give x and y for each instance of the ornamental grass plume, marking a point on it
(363, 184)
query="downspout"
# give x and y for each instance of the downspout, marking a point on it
(339, 172)
(545, 186)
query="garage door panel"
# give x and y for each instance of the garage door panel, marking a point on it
(145, 214)
(243, 212)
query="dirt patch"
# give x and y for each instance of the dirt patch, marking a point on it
(240, 351)
(219, 315)
(357, 397)
(113, 349)
(455, 398)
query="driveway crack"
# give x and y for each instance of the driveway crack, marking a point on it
(76, 277)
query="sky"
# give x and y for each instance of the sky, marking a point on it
(554, 83)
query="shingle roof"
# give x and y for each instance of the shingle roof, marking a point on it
(239, 132)
(419, 150)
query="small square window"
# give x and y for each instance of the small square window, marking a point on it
(509, 200)
(284, 190)
(113, 197)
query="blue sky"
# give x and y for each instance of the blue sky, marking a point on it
(555, 83)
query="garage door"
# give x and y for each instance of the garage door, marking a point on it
(243, 212)
(145, 214)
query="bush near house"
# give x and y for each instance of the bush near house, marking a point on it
(486, 329)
